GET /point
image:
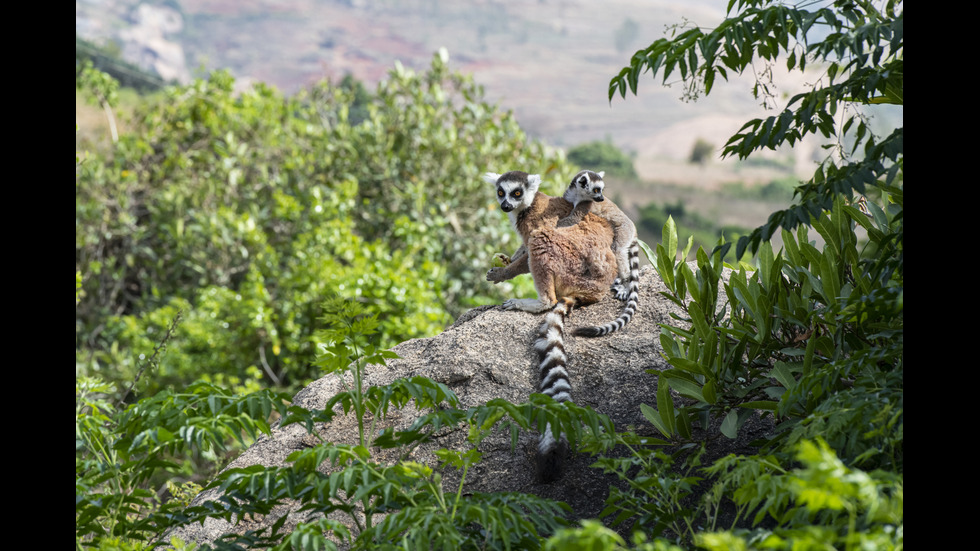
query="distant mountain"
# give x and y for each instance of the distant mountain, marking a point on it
(550, 61)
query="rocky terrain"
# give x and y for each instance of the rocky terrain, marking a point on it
(487, 354)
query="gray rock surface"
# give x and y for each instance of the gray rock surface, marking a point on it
(486, 354)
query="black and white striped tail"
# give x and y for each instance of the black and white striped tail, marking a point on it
(553, 369)
(630, 293)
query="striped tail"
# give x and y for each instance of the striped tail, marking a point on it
(552, 367)
(629, 293)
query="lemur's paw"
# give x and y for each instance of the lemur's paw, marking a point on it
(529, 305)
(496, 275)
(620, 290)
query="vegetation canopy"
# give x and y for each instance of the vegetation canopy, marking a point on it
(812, 336)
(245, 210)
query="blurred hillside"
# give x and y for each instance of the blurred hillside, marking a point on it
(548, 61)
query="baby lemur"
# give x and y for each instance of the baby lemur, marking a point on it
(585, 193)
(570, 265)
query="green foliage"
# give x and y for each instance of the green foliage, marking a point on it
(237, 215)
(124, 455)
(701, 152)
(689, 224)
(812, 336)
(821, 504)
(653, 494)
(245, 210)
(594, 536)
(862, 55)
(102, 89)
(603, 156)
(360, 99)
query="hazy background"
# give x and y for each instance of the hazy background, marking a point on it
(549, 61)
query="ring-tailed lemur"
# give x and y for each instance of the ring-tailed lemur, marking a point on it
(585, 194)
(570, 265)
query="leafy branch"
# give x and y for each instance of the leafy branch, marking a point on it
(862, 54)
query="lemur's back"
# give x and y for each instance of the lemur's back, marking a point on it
(577, 259)
(545, 211)
(621, 223)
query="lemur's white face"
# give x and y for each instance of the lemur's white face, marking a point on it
(515, 190)
(588, 186)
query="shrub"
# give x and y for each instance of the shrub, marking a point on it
(246, 210)
(812, 336)
(701, 152)
(602, 156)
(122, 451)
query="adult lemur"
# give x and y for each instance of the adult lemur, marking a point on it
(585, 193)
(570, 265)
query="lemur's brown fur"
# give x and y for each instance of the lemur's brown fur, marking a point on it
(624, 232)
(566, 262)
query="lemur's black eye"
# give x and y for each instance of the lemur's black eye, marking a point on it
(517, 193)
(500, 193)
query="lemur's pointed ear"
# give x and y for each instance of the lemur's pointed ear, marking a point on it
(491, 177)
(602, 174)
(534, 179)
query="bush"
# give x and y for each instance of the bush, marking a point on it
(121, 453)
(812, 336)
(602, 156)
(701, 152)
(245, 211)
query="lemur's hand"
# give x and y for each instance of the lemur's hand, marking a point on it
(496, 275)
(620, 290)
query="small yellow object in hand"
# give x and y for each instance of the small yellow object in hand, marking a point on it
(500, 260)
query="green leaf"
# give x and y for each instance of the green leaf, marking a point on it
(698, 321)
(686, 388)
(729, 425)
(668, 238)
(653, 416)
(782, 372)
(709, 392)
(687, 365)
(665, 404)
(683, 424)
(646, 250)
